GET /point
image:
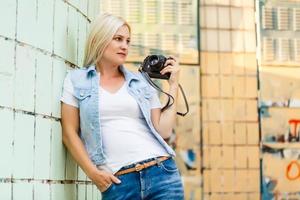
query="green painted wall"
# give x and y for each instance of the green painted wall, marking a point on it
(39, 41)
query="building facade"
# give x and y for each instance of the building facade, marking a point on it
(240, 64)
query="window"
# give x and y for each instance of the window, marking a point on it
(159, 26)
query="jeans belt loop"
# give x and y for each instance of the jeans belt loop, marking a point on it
(158, 162)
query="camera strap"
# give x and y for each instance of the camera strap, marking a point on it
(170, 97)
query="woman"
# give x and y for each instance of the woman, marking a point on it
(112, 122)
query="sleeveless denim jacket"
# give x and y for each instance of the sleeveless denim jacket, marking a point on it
(86, 90)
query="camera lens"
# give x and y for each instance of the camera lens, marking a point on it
(153, 62)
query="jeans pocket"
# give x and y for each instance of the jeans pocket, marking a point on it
(108, 188)
(169, 166)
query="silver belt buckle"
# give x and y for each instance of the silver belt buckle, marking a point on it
(138, 167)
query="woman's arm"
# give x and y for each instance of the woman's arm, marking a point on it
(164, 122)
(70, 128)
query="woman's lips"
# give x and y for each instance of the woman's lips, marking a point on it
(122, 54)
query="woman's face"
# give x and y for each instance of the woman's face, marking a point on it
(117, 50)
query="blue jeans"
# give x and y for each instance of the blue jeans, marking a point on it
(158, 182)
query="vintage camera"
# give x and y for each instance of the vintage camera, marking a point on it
(150, 68)
(153, 64)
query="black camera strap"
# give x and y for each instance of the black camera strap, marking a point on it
(170, 97)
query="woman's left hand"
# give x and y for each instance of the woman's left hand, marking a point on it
(172, 66)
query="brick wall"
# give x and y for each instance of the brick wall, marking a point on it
(231, 168)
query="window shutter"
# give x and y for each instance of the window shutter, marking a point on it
(185, 41)
(268, 49)
(134, 11)
(283, 18)
(136, 48)
(104, 6)
(297, 50)
(151, 11)
(296, 19)
(169, 11)
(169, 43)
(116, 7)
(283, 49)
(152, 43)
(185, 8)
(267, 18)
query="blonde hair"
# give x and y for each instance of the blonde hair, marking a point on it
(102, 30)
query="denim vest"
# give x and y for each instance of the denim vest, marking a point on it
(86, 90)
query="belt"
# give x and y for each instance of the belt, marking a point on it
(140, 166)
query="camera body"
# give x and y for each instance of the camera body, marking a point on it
(153, 64)
(151, 67)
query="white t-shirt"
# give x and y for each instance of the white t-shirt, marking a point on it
(125, 133)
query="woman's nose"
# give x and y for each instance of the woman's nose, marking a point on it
(124, 45)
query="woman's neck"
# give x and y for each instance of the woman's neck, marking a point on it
(108, 70)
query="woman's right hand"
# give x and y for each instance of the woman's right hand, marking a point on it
(103, 179)
(70, 127)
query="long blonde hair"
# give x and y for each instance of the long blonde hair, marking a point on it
(102, 30)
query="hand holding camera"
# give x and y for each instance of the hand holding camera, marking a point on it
(160, 67)
(171, 67)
